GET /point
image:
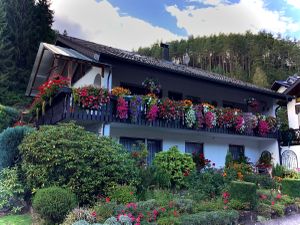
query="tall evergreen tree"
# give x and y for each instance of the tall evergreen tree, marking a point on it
(24, 24)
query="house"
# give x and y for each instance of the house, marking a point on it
(86, 63)
(290, 140)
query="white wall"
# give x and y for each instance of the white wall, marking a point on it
(88, 78)
(215, 145)
(292, 116)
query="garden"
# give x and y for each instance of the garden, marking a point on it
(63, 174)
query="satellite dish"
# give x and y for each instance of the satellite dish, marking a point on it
(186, 59)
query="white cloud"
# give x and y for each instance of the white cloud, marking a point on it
(294, 3)
(211, 2)
(232, 18)
(102, 23)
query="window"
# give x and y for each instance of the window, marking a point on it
(191, 147)
(132, 144)
(237, 151)
(176, 96)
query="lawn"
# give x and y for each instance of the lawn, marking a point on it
(16, 220)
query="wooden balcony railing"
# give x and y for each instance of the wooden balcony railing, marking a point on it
(64, 109)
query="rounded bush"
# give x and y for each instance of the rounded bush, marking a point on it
(54, 203)
(245, 192)
(10, 139)
(67, 155)
(176, 164)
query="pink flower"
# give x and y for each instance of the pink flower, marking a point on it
(278, 196)
(263, 127)
(122, 108)
(93, 214)
(273, 203)
(107, 199)
(152, 113)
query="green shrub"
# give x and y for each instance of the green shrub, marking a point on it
(238, 205)
(162, 196)
(10, 139)
(278, 171)
(105, 210)
(205, 185)
(11, 191)
(278, 209)
(122, 194)
(148, 205)
(184, 205)
(222, 217)
(168, 221)
(263, 181)
(264, 210)
(291, 187)
(175, 164)
(212, 205)
(66, 155)
(8, 116)
(245, 192)
(54, 203)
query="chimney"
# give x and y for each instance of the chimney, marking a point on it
(165, 52)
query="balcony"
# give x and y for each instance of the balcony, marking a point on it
(63, 108)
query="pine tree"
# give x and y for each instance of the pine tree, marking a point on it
(24, 24)
(44, 20)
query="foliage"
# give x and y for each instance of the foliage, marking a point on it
(245, 192)
(278, 171)
(260, 78)
(205, 185)
(122, 194)
(11, 191)
(67, 155)
(228, 159)
(237, 205)
(268, 52)
(161, 196)
(263, 181)
(78, 214)
(24, 24)
(10, 139)
(16, 220)
(152, 85)
(104, 210)
(291, 187)
(264, 210)
(169, 221)
(220, 217)
(8, 116)
(175, 164)
(54, 203)
(209, 205)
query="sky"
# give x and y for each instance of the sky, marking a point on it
(130, 24)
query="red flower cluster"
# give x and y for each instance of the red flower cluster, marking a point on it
(91, 97)
(122, 108)
(168, 110)
(225, 197)
(263, 127)
(152, 113)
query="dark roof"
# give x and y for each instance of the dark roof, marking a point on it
(290, 81)
(89, 48)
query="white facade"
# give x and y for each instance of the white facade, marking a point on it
(215, 145)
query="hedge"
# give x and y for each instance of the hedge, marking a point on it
(263, 180)
(291, 187)
(221, 217)
(245, 192)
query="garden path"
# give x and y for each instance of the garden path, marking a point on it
(289, 220)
